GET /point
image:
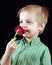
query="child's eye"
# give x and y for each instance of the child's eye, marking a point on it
(28, 21)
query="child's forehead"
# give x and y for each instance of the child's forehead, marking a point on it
(24, 13)
(27, 15)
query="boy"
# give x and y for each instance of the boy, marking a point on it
(29, 50)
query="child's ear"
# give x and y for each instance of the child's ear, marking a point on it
(41, 27)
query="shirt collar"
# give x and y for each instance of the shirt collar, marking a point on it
(35, 41)
(32, 42)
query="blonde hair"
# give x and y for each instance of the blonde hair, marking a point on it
(40, 11)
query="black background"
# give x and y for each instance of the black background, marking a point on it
(8, 21)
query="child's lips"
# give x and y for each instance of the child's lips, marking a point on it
(26, 30)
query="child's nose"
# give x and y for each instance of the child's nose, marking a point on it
(24, 26)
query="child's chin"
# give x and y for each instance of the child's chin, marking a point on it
(24, 35)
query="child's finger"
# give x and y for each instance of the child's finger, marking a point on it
(12, 40)
(14, 44)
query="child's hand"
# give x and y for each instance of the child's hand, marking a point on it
(11, 46)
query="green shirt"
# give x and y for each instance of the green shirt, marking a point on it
(32, 53)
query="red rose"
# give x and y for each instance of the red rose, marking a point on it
(19, 30)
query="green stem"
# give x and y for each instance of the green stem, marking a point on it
(15, 34)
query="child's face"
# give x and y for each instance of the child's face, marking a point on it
(29, 24)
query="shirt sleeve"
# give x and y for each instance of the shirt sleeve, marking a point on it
(47, 57)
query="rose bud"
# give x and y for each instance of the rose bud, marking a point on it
(19, 31)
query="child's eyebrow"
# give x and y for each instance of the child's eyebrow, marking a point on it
(28, 20)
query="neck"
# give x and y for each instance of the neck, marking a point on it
(28, 39)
